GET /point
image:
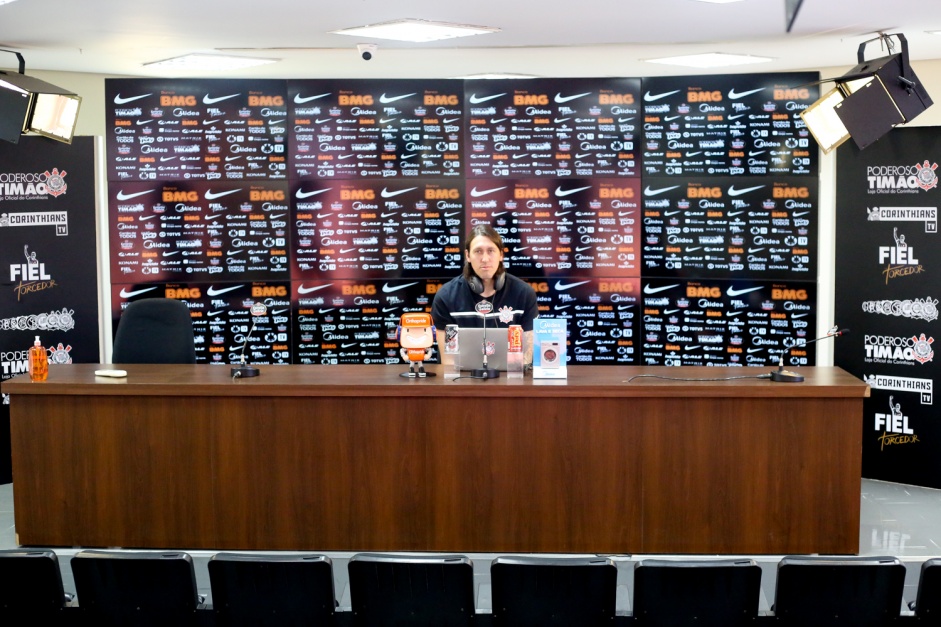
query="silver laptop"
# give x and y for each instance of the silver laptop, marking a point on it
(471, 341)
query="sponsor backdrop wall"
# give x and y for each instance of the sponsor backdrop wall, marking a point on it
(47, 253)
(670, 220)
(888, 263)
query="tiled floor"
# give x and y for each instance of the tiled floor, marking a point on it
(895, 519)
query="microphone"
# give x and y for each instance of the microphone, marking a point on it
(244, 371)
(786, 376)
(483, 308)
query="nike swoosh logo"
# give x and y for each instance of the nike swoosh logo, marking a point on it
(143, 218)
(126, 294)
(451, 214)
(170, 253)
(385, 193)
(348, 345)
(302, 194)
(209, 122)
(451, 120)
(307, 290)
(693, 249)
(582, 155)
(404, 157)
(693, 154)
(388, 289)
(568, 192)
(319, 121)
(477, 193)
(561, 307)
(497, 120)
(735, 95)
(525, 154)
(387, 120)
(649, 191)
(499, 213)
(755, 350)
(670, 118)
(648, 97)
(475, 99)
(520, 249)
(408, 250)
(278, 312)
(213, 314)
(208, 100)
(796, 316)
(122, 196)
(667, 312)
(734, 292)
(623, 307)
(735, 117)
(343, 251)
(559, 214)
(621, 214)
(559, 98)
(121, 100)
(230, 253)
(798, 214)
(755, 153)
(752, 251)
(275, 216)
(560, 120)
(690, 348)
(667, 214)
(346, 156)
(212, 217)
(580, 342)
(561, 287)
(579, 249)
(165, 159)
(235, 158)
(739, 192)
(321, 216)
(388, 309)
(323, 311)
(210, 195)
(387, 99)
(732, 214)
(142, 122)
(212, 291)
(654, 290)
(383, 216)
(302, 99)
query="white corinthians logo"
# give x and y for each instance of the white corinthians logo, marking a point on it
(902, 179)
(899, 259)
(894, 427)
(904, 351)
(928, 215)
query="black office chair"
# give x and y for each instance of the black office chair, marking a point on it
(417, 591)
(706, 593)
(927, 604)
(155, 331)
(852, 591)
(130, 588)
(272, 590)
(542, 591)
(31, 586)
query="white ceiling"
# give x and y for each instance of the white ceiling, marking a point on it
(547, 38)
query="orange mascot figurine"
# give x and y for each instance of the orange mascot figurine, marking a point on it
(416, 335)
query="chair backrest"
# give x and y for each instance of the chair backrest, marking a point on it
(857, 591)
(696, 592)
(530, 591)
(428, 591)
(272, 590)
(30, 581)
(135, 588)
(928, 601)
(155, 331)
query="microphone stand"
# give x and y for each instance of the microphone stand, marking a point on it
(484, 372)
(786, 376)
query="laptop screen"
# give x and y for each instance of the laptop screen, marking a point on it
(471, 341)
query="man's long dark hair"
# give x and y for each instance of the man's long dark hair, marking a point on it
(487, 231)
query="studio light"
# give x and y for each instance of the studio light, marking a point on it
(869, 100)
(31, 106)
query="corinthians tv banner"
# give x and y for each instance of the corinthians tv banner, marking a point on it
(47, 259)
(887, 277)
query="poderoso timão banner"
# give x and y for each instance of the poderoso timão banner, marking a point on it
(887, 268)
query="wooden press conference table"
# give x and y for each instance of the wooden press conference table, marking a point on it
(357, 458)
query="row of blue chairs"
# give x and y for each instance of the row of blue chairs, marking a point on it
(154, 588)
